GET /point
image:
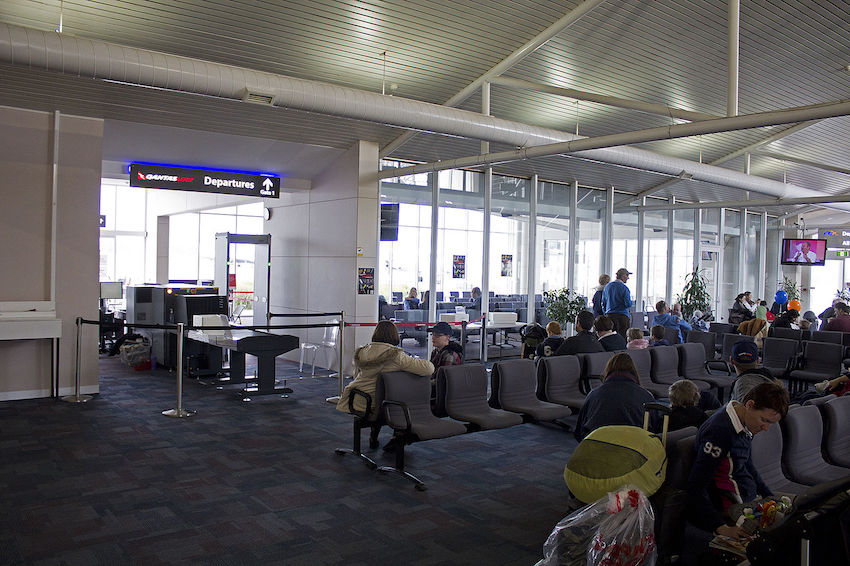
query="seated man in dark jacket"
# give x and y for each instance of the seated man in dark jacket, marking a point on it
(583, 341)
(610, 340)
(618, 401)
(723, 473)
(446, 351)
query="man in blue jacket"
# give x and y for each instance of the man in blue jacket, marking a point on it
(617, 300)
(723, 473)
(667, 320)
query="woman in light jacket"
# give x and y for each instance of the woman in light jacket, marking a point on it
(379, 356)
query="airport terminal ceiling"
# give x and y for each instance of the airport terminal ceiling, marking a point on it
(671, 53)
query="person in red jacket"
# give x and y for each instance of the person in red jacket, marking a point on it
(841, 322)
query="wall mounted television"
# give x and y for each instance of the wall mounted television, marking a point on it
(803, 252)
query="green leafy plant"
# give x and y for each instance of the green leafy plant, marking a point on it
(694, 294)
(790, 287)
(562, 305)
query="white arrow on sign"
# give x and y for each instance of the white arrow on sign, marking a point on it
(268, 183)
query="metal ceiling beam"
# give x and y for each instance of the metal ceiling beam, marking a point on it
(646, 107)
(746, 203)
(742, 122)
(514, 58)
(816, 164)
(733, 52)
(728, 157)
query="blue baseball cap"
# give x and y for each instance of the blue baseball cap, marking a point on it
(441, 328)
(745, 352)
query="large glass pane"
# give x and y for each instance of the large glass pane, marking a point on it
(683, 249)
(129, 209)
(553, 230)
(107, 259)
(654, 259)
(773, 275)
(183, 246)
(752, 243)
(128, 266)
(728, 283)
(107, 205)
(212, 223)
(590, 212)
(509, 242)
(624, 245)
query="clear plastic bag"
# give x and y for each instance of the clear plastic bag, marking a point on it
(616, 530)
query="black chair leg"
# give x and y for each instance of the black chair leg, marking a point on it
(355, 450)
(399, 465)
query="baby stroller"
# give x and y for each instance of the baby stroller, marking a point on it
(532, 336)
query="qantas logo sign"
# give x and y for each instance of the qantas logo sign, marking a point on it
(164, 177)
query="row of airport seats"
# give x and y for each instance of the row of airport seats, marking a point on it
(460, 405)
(546, 391)
(810, 447)
(567, 379)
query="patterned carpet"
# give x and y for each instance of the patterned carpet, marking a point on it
(114, 482)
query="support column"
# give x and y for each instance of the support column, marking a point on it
(641, 251)
(697, 237)
(572, 246)
(742, 251)
(488, 205)
(434, 184)
(762, 272)
(668, 293)
(719, 269)
(608, 232)
(532, 251)
(732, 57)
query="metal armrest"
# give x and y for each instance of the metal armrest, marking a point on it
(386, 407)
(352, 395)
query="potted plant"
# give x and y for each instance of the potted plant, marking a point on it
(790, 288)
(562, 305)
(694, 295)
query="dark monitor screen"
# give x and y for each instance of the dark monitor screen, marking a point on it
(803, 252)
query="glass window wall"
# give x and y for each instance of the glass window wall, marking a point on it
(654, 258)
(590, 212)
(683, 250)
(729, 281)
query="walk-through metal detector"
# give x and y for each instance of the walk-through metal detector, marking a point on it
(225, 269)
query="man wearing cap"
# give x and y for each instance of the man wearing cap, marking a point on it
(745, 360)
(617, 300)
(446, 351)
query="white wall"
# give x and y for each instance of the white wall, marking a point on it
(315, 238)
(26, 162)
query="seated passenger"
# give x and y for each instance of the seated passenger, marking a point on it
(610, 340)
(684, 398)
(656, 336)
(618, 401)
(745, 360)
(583, 341)
(756, 327)
(723, 473)
(788, 319)
(841, 321)
(741, 310)
(667, 319)
(411, 301)
(380, 355)
(446, 351)
(552, 342)
(636, 339)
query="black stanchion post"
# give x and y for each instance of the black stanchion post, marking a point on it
(179, 412)
(76, 397)
(463, 341)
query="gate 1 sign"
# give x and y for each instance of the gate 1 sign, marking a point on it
(200, 180)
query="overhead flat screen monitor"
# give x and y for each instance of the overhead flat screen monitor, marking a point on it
(803, 252)
(111, 290)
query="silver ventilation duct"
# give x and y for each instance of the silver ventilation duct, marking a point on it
(53, 51)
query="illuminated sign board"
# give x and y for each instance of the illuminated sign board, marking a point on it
(205, 181)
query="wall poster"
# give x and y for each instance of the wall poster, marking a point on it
(458, 267)
(365, 280)
(507, 265)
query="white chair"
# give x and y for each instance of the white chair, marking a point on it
(329, 341)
